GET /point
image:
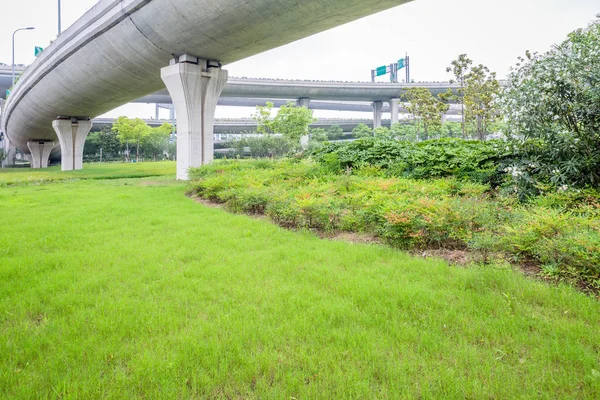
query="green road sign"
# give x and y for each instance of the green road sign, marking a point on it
(7, 92)
(401, 63)
(38, 50)
(381, 70)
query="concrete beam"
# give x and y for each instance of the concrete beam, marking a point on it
(377, 111)
(40, 153)
(195, 87)
(71, 135)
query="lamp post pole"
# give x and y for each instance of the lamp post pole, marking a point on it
(59, 18)
(13, 50)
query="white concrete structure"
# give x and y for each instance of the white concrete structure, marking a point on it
(195, 87)
(71, 135)
(40, 152)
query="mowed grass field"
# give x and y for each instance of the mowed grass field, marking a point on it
(29, 176)
(125, 288)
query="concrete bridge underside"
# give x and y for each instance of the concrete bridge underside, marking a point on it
(121, 50)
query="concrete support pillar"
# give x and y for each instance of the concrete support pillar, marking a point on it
(304, 102)
(444, 118)
(377, 111)
(40, 152)
(195, 86)
(394, 110)
(71, 135)
(9, 160)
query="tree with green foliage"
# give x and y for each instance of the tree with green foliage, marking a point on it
(156, 141)
(131, 131)
(104, 144)
(552, 110)
(335, 132)
(404, 132)
(426, 109)
(382, 132)
(480, 95)
(291, 121)
(318, 134)
(460, 69)
(361, 131)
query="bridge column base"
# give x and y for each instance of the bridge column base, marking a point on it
(71, 134)
(195, 86)
(394, 111)
(377, 111)
(9, 160)
(40, 153)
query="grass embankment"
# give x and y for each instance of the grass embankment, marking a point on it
(28, 176)
(561, 232)
(126, 288)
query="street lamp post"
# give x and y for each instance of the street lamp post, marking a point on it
(59, 17)
(13, 50)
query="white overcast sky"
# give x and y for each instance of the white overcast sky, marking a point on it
(432, 32)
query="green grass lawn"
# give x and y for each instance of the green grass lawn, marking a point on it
(125, 288)
(29, 176)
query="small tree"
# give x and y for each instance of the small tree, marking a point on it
(131, 131)
(480, 94)
(361, 131)
(156, 142)
(291, 121)
(335, 132)
(404, 132)
(460, 69)
(552, 110)
(426, 109)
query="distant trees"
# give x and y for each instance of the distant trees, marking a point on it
(427, 109)
(291, 121)
(113, 144)
(477, 95)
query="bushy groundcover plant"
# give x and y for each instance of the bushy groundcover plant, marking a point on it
(476, 160)
(412, 214)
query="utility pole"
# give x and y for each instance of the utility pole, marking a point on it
(59, 18)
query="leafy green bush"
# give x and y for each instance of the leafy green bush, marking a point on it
(552, 110)
(262, 146)
(475, 160)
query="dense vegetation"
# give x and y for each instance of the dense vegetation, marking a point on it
(476, 160)
(125, 288)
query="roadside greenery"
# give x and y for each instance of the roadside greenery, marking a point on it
(426, 109)
(561, 233)
(291, 121)
(127, 289)
(128, 136)
(475, 160)
(552, 111)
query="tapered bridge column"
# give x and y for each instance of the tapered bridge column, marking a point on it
(10, 150)
(71, 133)
(195, 86)
(40, 152)
(377, 111)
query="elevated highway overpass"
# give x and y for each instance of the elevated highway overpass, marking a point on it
(121, 50)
